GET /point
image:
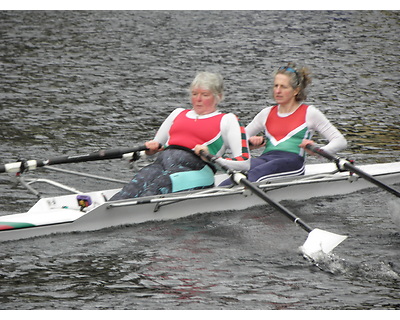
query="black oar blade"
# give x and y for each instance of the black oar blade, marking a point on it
(321, 241)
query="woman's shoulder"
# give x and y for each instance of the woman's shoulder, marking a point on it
(315, 115)
(177, 111)
(180, 110)
(268, 108)
(311, 109)
(265, 111)
(229, 116)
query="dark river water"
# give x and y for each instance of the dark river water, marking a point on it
(74, 82)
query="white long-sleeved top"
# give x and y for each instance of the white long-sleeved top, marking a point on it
(230, 135)
(288, 136)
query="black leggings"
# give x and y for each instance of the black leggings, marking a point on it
(273, 164)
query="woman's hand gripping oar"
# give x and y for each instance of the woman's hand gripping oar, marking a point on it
(318, 240)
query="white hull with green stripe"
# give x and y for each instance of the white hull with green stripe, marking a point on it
(65, 214)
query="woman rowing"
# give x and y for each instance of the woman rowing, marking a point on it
(288, 127)
(181, 138)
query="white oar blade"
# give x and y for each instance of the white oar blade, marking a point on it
(319, 240)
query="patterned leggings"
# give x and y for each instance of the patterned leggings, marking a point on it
(155, 178)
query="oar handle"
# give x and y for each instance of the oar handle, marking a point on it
(100, 155)
(214, 159)
(240, 178)
(345, 164)
(321, 152)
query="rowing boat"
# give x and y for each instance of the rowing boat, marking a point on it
(92, 211)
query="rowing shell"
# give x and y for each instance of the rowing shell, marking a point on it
(69, 214)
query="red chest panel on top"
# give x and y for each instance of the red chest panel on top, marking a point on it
(190, 132)
(280, 127)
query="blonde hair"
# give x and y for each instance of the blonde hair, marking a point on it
(300, 77)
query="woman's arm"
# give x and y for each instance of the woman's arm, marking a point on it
(318, 121)
(235, 139)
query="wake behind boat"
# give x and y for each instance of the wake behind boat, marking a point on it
(90, 211)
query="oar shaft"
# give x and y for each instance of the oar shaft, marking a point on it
(275, 204)
(100, 155)
(343, 163)
(240, 178)
(317, 240)
(370, 178)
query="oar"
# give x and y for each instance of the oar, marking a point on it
(318, 240)
(100, 155)
(345, 164)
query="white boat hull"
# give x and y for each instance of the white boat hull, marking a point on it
(63, 214)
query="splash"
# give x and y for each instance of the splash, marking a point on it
(327, 262)
(367, 270)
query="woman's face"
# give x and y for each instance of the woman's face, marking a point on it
(284, 94)
(203, 101)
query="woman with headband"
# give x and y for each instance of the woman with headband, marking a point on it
(288, 126)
